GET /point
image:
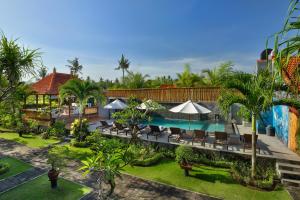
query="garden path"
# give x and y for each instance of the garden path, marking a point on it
(128, 187)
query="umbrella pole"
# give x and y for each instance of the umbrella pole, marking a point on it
(189, 122)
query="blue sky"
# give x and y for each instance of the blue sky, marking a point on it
(158, 36)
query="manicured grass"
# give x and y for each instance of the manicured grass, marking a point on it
(39, 188)
(212, 181)
(16, 167)
(33, 141)
(74, 152)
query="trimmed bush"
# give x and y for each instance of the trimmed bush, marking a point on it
(156, 158)
(4, 167)
(80, 144)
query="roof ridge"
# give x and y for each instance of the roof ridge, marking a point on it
(51, 81)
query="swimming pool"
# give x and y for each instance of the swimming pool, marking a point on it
(184, 124)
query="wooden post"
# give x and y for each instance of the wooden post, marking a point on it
(37, 101)
(43, 99)
(50, 102)
(69, 101)
(25, 99)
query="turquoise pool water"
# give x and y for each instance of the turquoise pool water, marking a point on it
(184, 124)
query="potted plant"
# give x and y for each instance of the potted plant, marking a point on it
(245, 114)
(56, 160)
(184, 156)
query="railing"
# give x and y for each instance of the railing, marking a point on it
(90, 110)
(37, 115)
(168, 95)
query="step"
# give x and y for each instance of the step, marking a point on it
(289, 172)
(293, 162)
(291, 182)
(288, 167)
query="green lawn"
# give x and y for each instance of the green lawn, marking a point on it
(16, 167)
(75, 153)
(33, 141)
(212, 181)
(39, 188)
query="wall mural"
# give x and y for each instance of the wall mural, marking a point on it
(281, 122)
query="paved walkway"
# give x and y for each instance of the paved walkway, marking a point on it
(127, 187)
(18, 179)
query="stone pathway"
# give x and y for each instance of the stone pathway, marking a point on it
(18, 179)
(127, 187)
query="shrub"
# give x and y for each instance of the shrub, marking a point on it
(94, 138)
(156, 158)
(184, 153)
(80, 132)
(57, 129)
(80, 144)
(33, 126)
(45, 135)
(4, 167)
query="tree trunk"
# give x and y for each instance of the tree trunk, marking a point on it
(123, 75)
(253, 160)
(112, 187)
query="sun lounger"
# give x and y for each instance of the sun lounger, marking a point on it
(118, 128)
(221, 138)
(199, 136)
(155, 131)
(104, 125)
(247, 141)
(174, 132)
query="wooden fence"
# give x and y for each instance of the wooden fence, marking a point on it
(168, 95)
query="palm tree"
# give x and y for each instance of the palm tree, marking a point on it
(42, 72)
(135, 80)
(74, 66)
(215, 76)
(188, 79)
(254, 92)
(82, 90)
(123, 65)
(15, 63)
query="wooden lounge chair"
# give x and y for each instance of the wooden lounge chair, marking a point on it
(247, 142)
(155, 131)
(187, 134)
(129, 129)
(199, 136)
(104, 125)
(221, 138)
(174, 131)
(119, 128)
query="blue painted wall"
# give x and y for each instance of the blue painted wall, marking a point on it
(278, 117)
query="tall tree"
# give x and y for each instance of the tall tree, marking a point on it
(135, 80)
(123, 65)
(75, 66)
(215, 76)
(254, 93)
(15, 63)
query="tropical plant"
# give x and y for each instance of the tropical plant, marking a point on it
(254, 92)
(80, 129)
(42, 72)
(135, 80)
(75, 66)
(15, 62)
(188, 79)
(112, 156)
(81, 90)
(215, 76)
(123, 65)
(160, 80)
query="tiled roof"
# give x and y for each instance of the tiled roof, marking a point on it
(51, 83)
(289, 72)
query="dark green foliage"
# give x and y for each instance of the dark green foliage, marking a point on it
(4, 167)
(80, 130)
(57, 129)
(266, 172)
(184, 153)
(155, 159)
(80, 144)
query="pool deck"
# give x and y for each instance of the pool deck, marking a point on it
(269, 146)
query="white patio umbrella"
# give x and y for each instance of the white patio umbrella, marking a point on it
(189, 108)
(148, 105)
(115, 105)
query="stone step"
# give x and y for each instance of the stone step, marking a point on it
(291, 182)
(287, 174)
(289, 167)
(293, 162)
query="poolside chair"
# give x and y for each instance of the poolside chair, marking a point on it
(155, 131)
(247, 142)
(119, 128)
(174, 131)
(199, 136)
(130, 128)
(187, 134)
(221, 138)
(104, 125)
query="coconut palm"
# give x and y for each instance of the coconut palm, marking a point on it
(75, 66)
(215, 76)
(123, 65)
(188, 79)
(135, 80)
(15, 63)
(254, 93)
(81, 90)
(42, 72)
